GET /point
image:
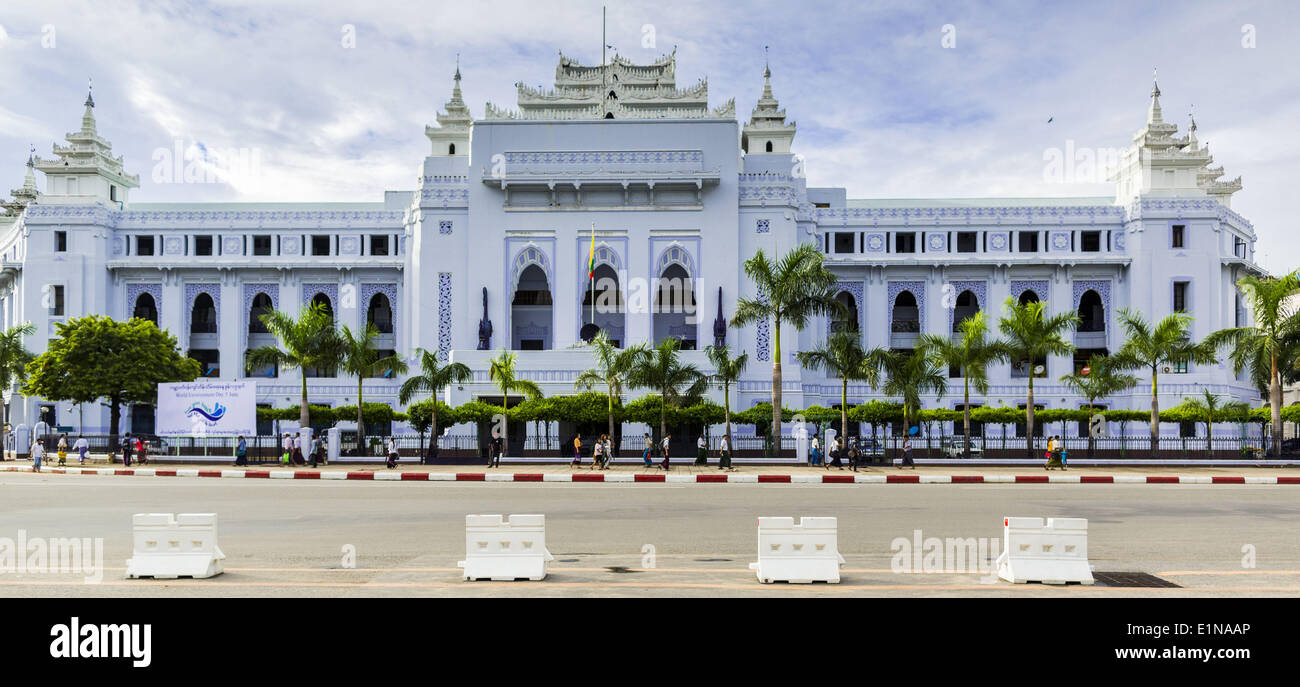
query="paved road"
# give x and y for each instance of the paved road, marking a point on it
(285, 538)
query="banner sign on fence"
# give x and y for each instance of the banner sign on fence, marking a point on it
(207, 409)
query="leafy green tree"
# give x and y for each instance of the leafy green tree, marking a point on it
(1209, 408)
(501, 370)
(678, 384)
(1271, 348)
(97, 357)
(911, 374)
(842, 356)
(306, 341)
(972, 353)
(1029, 335)
(612, 369)
(432, 379)
(359, 356)
(791, 290)
(1148, 347)
(14, 357)
(726, 371)
(1103, 378)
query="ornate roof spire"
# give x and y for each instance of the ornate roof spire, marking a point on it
(1154, 115)
(88, 117)
(767, 130)
(22, 197)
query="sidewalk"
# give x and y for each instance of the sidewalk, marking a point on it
(700, 475)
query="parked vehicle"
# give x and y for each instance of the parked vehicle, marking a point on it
(956, 448)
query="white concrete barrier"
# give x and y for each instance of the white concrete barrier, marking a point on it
(170, 545)
(1051, 552)
(510, 548)
(803, 553)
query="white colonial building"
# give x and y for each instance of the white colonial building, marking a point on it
(491, 249)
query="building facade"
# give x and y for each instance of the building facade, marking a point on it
(492, 250)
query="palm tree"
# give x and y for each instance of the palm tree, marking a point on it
(1210, 409)
(726, 371)
(358, 356)
(911, 374)
(791, 290)
(501, 370)
(308, 341)
(14, 357)
(1101, 379)
(972, 354)
(842, 356)
(1031, 335)
(612, 369)
(432, 379)
(1148, 346)
(662, 370)
(1269, 346)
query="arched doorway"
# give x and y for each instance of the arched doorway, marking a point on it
(146, 308)
(849, 320)
(1028, 296)
(605, 295)
(203, 345)
(967, 305)
(907, 317)
(1092, 314)
(258, 335)
(530, 311)
(380, 314)
(674, 310)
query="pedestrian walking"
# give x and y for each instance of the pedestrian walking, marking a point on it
(296, 456)
(286, 445)
(609, 451)
(392, 452)
(598, 453)
(814, 455)
(241, 451)
(577, 451)
(128, 448)
(724, 454)
(649, 448)
(141, 450)
(907, 453)
(82, 447)
(855, 454)
(317, 450)
(38, 452)
(664, 447)
(1053, 453)
(837, 454)
(63, 450)
(701, 451)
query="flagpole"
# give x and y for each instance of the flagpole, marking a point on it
(591, 275)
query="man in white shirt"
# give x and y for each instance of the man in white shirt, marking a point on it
(81, 447)
(664, 447)
(701, 451)
(724, 454)
(287, 445)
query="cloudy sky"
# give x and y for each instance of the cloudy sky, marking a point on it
(883, 107)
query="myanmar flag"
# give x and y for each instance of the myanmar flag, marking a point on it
(591, 258)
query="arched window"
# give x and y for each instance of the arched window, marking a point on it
(451, 148)
(146, 308)
(609, 115)
(674, 306)
(967, 305)
(531, 312)
(1028, 297)
(769, 146)
(1092, 314)
(203, 317)
(849, 320)
(380, 314)
(324, 301)
(261, 306)
(907, 317)
(613, 95)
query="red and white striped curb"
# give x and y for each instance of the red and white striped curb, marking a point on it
(621, 477)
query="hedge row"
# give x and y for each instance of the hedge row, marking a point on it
(592, 408)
